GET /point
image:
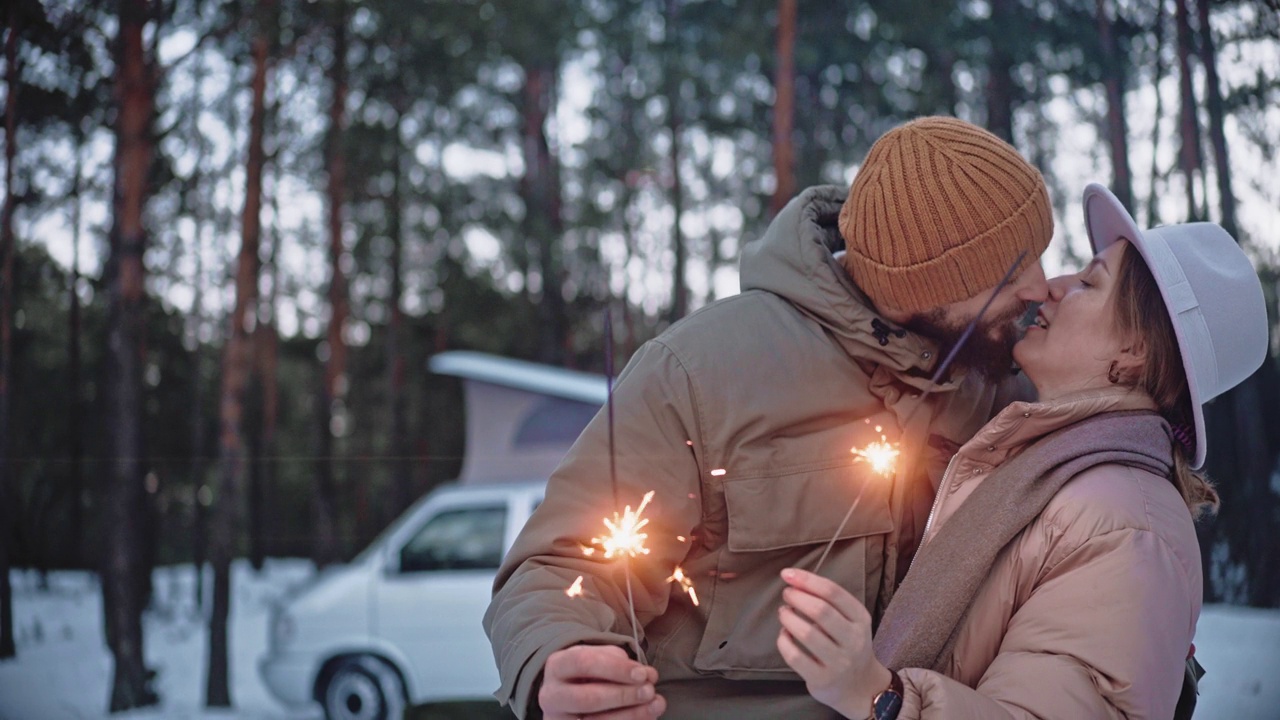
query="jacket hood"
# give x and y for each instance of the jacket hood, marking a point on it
(797, 259)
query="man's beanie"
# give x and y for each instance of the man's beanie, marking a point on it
(938, 213)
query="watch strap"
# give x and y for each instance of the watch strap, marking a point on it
(888, 703)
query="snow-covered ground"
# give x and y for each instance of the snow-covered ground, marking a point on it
(63, 669)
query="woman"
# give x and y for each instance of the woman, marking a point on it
(1059, 574)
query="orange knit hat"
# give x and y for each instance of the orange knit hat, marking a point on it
(938, 212)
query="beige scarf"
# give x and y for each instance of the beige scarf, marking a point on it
(921, 622)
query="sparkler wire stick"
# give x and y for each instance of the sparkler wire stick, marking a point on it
(613, 474)
(933, 383)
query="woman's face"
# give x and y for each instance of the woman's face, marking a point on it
(1074, 340)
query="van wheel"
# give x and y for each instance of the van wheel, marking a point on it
(364, 688)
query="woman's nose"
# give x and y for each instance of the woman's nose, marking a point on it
(1058, 287)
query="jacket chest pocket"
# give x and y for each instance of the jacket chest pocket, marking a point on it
(780, 521)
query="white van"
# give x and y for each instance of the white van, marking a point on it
(402, 621)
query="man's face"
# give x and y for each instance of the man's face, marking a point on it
(989, 349)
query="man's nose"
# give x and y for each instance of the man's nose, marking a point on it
(1034, 287)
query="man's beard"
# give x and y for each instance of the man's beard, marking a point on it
(989, 349)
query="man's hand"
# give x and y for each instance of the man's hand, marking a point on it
(826, 638)
(599, 682)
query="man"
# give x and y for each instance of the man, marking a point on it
(741, 419)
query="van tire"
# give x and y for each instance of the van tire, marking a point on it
(363, 687)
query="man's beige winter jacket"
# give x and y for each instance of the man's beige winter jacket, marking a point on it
(741, 419)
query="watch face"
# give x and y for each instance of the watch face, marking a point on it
(887, 705)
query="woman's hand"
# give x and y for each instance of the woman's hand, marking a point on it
(826, 638)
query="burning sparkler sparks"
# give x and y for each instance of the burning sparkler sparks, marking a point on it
(882, 456)
(575, 590)
(685, 583)
(624, 536)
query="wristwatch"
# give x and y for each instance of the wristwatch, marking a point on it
(887, 704)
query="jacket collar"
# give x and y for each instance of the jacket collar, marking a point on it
(796, 258)
(1021, 423)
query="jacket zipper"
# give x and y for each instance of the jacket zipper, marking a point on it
(933, 511)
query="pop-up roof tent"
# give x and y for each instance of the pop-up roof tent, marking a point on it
(521, 416)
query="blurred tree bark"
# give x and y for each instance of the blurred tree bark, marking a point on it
(267, 348)
(784, 107)
(1114, 72)
(401, 468)
(1190, 159)
(237, 366)
(75, 432)
(679, 283)
(7, 250)
(540, 189)
(194, 191)
(334, 387)
(1217, 120)
(123, 508)
(1157, 33)
(999, 74)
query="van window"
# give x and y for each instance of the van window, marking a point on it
(554, 421)
(463, 539)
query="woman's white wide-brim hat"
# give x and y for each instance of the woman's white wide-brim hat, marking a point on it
(1211, 290)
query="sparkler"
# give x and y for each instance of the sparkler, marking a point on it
(624, 536)
(883, 456)
(625, 539)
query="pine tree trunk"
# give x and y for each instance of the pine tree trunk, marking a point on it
(198, 432)
(237, 364)
(1217, 119)
(268, 348)
(333, 397)
(540, 189)
(784, 107)
(679, 284)
(397, 364)
(7, 250)
(1189, 156)
(1153, 211)
(123, 504)
(999, 78)
(1114, 66)
(74, 548)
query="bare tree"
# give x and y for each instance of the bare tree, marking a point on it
(679, 284)
(999, 74)
(1217, 133)
(784, 106)
(123, 503)
(237, 364)
(540, 189)
(1190, 158)
(397, 362)
(1153, 211)
(334, 387)
(7, 249)
(1113, 78)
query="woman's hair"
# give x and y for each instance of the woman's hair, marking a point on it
(1140, 312)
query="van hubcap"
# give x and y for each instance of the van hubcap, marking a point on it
(354, 697)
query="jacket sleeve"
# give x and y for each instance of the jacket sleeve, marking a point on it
(656, 439)
(1103, 634)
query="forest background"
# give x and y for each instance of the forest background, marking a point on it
(234, 231)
